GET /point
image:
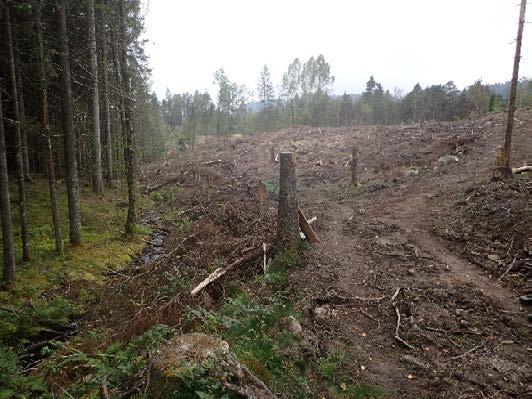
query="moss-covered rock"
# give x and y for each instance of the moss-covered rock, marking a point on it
(193, 364)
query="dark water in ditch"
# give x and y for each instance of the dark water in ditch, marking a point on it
(155, 248)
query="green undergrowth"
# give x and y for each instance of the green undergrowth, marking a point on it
(50, 290)
(253, 320)
(171, 213)
(336, 369)
(115, 365)
(256, 332)
(272, 186)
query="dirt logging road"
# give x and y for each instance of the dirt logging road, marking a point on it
(419, 268)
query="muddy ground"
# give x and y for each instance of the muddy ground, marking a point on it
(436, 243)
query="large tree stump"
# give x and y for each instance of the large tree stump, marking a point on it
(502, 170)
(354, 166)
(287, 210)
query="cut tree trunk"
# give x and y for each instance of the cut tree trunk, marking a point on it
(287, 210)
(354, 167)
(18, 141)
(71, 169)
(5, 207)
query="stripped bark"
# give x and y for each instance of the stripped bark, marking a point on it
(307, 230)
(215, 275)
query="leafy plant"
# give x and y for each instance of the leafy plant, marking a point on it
(253, 332)
(335, 370)
(14, 383)
(23, 321)
(116, 363)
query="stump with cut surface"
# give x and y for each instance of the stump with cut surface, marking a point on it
(195, 362)
(287, 210)
(354, 166)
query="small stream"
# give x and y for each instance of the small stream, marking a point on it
(155, 248)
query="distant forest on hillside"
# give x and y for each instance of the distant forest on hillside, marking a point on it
(304, 97)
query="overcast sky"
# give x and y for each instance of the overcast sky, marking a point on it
(399, 42)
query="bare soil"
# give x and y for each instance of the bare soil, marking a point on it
(440, 245)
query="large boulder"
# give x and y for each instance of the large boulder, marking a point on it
(192, 363)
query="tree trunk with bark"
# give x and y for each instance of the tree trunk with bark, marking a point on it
(18, 140)
(107, 108)
(45, 128)
(22, 116)
(129, 151)
(71, 170)
(504, 170)
(5, 207)
(97, 180)
(287, 211)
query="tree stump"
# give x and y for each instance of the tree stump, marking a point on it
(287, 210)
(262, 191)
(502, 170)
(354, 166)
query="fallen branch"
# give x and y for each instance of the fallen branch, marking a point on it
(396, 293)
(371, 317)
(159, 186)
(466, 353)
(104, 388)
(304, 225)
(215, 275)
(265, 263)
(379, 298)
(397, 326)
(522, 169)
(310, 221)
(508, 269)
(214, 162)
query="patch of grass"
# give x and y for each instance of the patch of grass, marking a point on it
(272, 186)
(278, 274)
(104, 248)
(330, 367)
(253, 332)
(336, 370)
